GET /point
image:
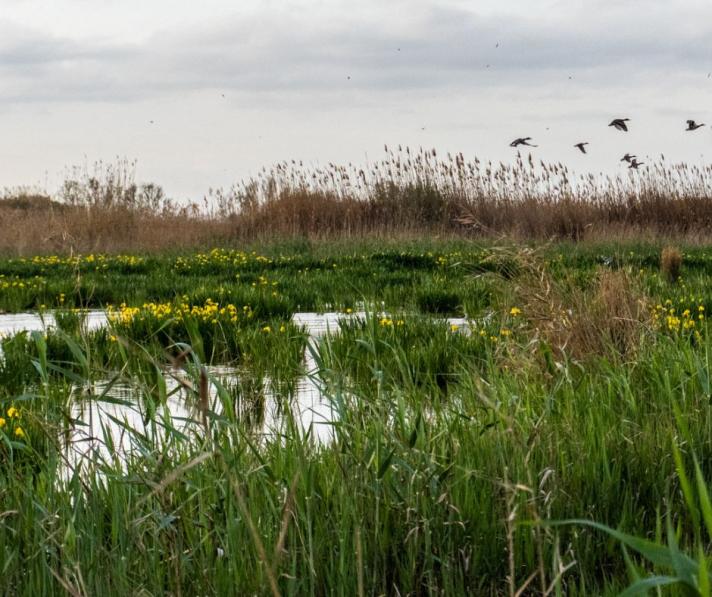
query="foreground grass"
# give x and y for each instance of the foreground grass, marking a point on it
(450, 445)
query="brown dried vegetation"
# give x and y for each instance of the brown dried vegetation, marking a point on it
(608, 318)
(406, 193)
(671, 263)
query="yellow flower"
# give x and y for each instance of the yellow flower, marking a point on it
(505, 332)
(19, 432)
(266, 329)
(13, 413)
(514, 311)
(2, 422)
(454, 327)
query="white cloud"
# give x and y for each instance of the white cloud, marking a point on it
(330, 80)
(284, 51)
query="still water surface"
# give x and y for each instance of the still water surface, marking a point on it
(109, 416)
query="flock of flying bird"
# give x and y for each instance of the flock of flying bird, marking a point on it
(618, 124)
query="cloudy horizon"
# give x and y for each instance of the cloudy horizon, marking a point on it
(205, 97)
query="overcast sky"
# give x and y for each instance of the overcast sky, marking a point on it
(234, 86)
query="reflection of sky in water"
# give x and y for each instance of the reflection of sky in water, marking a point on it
(100, 424)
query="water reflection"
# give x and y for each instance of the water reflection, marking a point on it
(110, 417)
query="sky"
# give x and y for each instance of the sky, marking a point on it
(205, 94)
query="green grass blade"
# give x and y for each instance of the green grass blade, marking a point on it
(642, 586)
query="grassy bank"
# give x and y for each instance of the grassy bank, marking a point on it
(580, 389)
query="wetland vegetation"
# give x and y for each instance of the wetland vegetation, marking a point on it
(574, 385)
(428, 376)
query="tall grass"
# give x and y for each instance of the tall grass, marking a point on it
(407, 193)
(451, 448)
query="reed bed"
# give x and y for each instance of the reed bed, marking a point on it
(407, 193)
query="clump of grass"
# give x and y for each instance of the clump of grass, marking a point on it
(69, 321)
(438, 300)
(671, 263)
(617, 311)
(607, 318)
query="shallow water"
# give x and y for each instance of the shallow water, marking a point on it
(12, 323)
(316, 324)
(102, 430)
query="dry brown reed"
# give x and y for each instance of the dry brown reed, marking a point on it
(405, 193)
(609, 318)
(671, 263)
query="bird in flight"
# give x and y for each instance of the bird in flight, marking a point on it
(522, 141)
(634, 164)
(693, 126)
(628, 157)
(582, 146)
(619, 123)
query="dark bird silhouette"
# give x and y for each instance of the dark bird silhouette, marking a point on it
(522, 141)
(628, 157)
(693, 126)
(620, 123)
(634, 164)
(582, 146)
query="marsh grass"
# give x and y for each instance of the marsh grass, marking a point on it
(609, 315)
(449, 450)
(405, 194)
